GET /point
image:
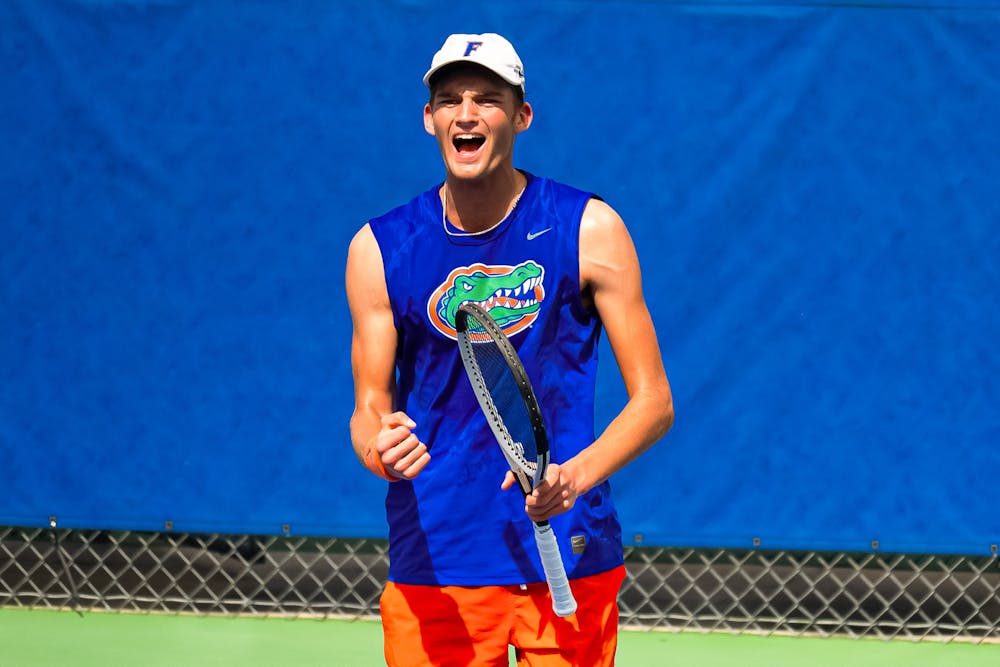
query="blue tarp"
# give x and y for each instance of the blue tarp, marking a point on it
(812, 187)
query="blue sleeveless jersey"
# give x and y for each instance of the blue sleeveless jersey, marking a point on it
(452, 525)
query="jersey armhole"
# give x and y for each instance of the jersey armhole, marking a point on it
(376, 233)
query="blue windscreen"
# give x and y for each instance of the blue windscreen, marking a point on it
(812, 188)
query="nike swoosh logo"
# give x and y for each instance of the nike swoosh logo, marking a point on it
(534, 235)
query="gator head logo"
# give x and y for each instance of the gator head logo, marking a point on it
(511, 295)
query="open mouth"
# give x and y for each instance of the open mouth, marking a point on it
(466, 144)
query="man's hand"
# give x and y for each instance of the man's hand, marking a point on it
(398, 448)
(556, 494)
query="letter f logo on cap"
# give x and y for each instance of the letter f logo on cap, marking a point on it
(490, 50)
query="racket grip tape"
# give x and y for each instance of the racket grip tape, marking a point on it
(563, 602)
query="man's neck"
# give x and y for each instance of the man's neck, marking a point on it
(476, 206)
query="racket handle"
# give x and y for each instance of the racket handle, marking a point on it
(563, 602)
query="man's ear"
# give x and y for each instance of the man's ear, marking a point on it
(428, 120)
(522, 117)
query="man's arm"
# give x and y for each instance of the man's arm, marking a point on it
(611, 280)
(383, 438)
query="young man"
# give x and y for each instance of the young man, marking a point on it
(464, 579)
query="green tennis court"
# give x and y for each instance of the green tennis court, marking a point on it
(44, 637)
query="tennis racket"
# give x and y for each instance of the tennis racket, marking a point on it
(507, 400)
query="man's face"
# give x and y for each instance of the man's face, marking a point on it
(474, 117)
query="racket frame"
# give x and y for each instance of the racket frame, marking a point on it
(528, 474)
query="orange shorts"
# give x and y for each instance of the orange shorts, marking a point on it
(461, 626)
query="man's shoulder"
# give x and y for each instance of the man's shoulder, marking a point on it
(558, 196)
(414, 208)
(553, 185)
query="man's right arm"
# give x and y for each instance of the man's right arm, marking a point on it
(383, 438)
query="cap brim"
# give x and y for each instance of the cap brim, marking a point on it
(440, 66)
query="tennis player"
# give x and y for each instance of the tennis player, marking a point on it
(554, 265)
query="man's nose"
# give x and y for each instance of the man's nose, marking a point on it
(468, 111)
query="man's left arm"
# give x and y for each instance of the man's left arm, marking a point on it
(610, 279)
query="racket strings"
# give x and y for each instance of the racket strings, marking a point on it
(502, 387)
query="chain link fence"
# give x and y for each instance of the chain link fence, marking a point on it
(726, 590)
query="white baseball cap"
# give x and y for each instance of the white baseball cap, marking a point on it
(489, 50)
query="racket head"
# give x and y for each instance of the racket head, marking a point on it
(503, 390)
